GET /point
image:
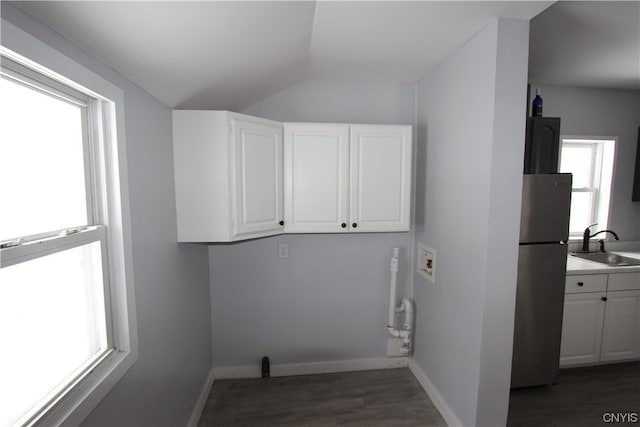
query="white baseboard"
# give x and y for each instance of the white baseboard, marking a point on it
(228, 372)
(202, 400)
(446, 412)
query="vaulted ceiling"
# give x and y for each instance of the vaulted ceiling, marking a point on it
(230, 54)
(587, 43)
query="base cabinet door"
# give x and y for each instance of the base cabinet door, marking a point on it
(582, 328)
(621, 334)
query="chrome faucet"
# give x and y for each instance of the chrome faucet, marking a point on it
(587, 235)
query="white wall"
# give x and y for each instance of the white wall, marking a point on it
(604, 112)
(171, 280)
(471, 118)
(328, 301)
(336, 101)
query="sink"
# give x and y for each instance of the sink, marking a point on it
(608, 258)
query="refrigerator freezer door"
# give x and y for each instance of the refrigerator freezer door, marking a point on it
(538, 317)
(546, 201)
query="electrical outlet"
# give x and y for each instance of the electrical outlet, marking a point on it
(426, 262)
(283, 250)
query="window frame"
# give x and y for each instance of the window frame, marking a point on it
(111, 223)
(603, 149)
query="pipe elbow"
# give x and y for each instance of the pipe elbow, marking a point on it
(394, 332)
(405, 334)
(406, 305)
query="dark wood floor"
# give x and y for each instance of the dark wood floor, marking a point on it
(394, 398)
(581, 398)
(390, 397)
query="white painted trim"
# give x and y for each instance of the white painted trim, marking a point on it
(27, 49)
(194, 419)
(411, 251)
(251, 371)
(439, 402)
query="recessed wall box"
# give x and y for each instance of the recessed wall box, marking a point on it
(426, 262)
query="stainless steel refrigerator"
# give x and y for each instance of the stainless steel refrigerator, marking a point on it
(542, 260)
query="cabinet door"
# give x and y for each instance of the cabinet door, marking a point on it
(257, 178)
(582, 328)
(380, 178)
(621, 335)
(316, 178)
(542, 145)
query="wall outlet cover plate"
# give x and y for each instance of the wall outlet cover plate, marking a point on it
(426, 262)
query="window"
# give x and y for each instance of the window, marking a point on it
(590, 160)
(65, 313)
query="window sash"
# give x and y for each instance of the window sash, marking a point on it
(585, 190)
(90, 114)
(35, 248)
(593, 178)
(68, 240)
(48, 246)
(593, 208)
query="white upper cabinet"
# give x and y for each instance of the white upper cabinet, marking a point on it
(347, 178)
(228, 176)
(239, 177)
(380, 178)
(316, 163)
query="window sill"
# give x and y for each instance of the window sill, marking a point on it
(83, 397)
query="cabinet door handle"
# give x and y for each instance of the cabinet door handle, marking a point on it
(580, 284)
(354, 225)
(343, 225)
(604, 298)
(281, 222)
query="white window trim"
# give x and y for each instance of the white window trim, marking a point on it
(76, 405)
(603, 190)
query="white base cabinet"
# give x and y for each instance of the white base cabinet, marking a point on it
(347, 178)
(621, 334)
(228, 176)
(601, 321)
(582, 328)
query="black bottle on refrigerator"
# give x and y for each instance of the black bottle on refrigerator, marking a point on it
(536, 107)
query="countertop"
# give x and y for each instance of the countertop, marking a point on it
(582, 266)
